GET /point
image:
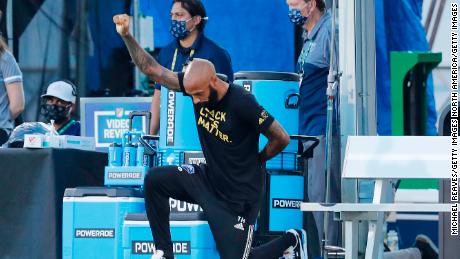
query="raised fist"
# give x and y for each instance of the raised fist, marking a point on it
(122, 24)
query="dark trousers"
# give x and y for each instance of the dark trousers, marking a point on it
(232, 232)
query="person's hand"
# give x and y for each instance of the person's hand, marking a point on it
(263, 164)
(122, 24)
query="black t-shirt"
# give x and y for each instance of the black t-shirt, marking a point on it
(229, 135)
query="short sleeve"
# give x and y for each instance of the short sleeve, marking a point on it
(10, 69)
(253, 113)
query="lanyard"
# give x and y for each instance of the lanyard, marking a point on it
(304, 55)
(305, 52)
(173, 65)
(63, 129)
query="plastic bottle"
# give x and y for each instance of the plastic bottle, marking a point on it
(392, 240)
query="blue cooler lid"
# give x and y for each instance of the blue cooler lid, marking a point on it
(266, 75)
(103, 191)
(174, 216)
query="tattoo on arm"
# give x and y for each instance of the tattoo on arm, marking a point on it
(278, 139)
(149, 66)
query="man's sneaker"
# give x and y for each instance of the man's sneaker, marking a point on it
(427, 247)
(299, 251)
(158, 254)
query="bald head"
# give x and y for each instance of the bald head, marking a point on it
(202, 83)
(198, 74)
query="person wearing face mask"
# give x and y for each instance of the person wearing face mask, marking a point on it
(57, 106)
(313, 67)
(188, 19)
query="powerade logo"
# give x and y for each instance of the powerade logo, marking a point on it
(148, 247)
(182, 206)
(145, 160)
(94, 233)
(124, 175)
(171, 117)
(127, 158)
(286, 203)
(247, 86)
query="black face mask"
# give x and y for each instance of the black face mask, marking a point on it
(55, 112)
(212, 100)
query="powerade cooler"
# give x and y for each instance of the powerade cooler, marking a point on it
(278, 93)
(93, 219)
(190, 233)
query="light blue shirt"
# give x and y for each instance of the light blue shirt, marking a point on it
(9, 73)
(316, 47)
(313, 65)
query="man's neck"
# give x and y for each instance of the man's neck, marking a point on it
(313, 20)
(58, 126)
(189, 40)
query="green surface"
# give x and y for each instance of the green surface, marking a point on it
(419, 184)
(401, 64)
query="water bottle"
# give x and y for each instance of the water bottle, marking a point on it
(129, 155)
(115, 154)
(142, 158)
(392, 240)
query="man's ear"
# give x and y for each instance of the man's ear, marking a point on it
(213, 80)
(313, 4)
(196, 20)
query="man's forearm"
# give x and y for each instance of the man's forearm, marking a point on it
(149, 66)
(272, 149)
(278, 139)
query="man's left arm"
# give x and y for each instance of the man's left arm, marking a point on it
(278, 139)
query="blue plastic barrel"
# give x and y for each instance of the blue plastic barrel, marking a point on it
(278, 93)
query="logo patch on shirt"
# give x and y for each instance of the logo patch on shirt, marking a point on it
(263, 116)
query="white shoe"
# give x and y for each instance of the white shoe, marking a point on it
(300, 248)
(158, 254)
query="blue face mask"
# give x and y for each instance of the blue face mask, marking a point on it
(296, 17)
(178, 29)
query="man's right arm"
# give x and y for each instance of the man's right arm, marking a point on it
(144, 61)
(278, 139)
(155, 110)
